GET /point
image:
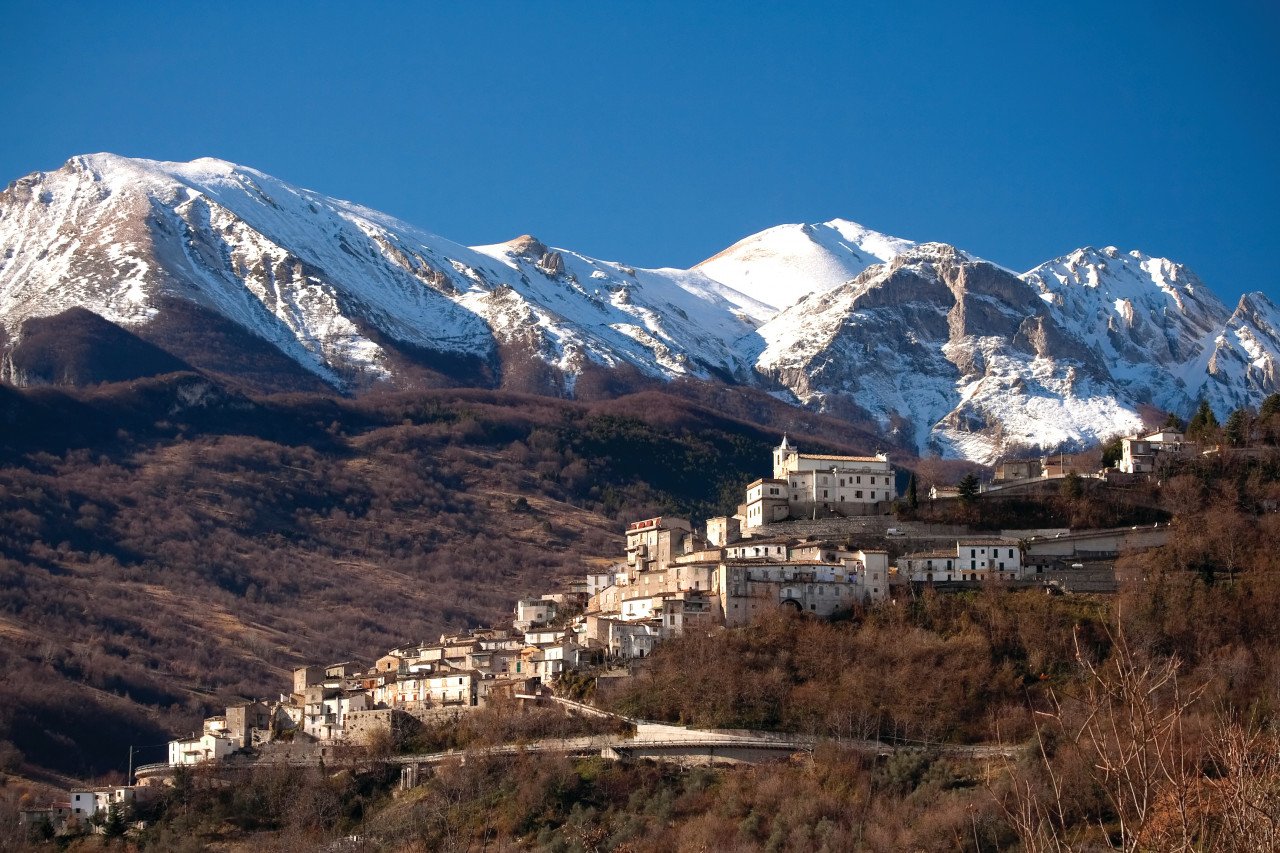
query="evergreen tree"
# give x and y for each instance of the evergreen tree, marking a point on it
(115, 825)
(913, 499)
(1174, 422)
(968, 488)
(1268, 422)
(1203, 423)
(1112, 451)
(1072, 486)
(1236, 432)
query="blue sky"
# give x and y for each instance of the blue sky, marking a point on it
(658, 133)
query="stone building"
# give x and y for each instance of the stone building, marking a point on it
(748, 588)
(806, 484)
(655, 542)
(971, 560)
(1145, 454)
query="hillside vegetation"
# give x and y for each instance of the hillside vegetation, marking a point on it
(171, 545)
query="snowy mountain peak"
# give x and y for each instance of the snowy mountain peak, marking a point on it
(781, 265)
(526, 245)
(228, 269)
(1256, 304)
(931, 253)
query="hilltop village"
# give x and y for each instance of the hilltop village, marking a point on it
(791, 544)
(812, 538)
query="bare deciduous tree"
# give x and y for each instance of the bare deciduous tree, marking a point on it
(1125, 719)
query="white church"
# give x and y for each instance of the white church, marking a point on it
(807, 485)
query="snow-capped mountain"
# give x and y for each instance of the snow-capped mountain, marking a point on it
(781, 265)
(1151, 320)
(346, 292)
(225, 268)
(949, 352)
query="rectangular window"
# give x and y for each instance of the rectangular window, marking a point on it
(859, 481)
(858, 495)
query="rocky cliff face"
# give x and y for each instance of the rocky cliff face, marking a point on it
(230, 270)
(954, 354)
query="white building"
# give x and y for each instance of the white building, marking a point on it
(598, 581)
(806, 483)
(326, 709)
(748, 588)
(443, 687)
(531, 612)
(207, 747)
(971, 560)
(759, 549)
(86, 803)
(1143, 454)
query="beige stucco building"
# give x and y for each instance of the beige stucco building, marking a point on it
(805, 484)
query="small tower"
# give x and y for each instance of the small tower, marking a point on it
(784, 458)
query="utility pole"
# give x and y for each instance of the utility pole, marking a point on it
(128, 780)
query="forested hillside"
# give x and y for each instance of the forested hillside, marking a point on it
(170, 545)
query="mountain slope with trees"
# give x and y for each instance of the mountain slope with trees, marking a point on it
(171, 544)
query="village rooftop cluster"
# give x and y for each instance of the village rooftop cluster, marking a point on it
(673, 579)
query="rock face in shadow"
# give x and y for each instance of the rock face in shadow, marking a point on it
(77, 347)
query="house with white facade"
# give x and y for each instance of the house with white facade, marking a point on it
(85, 803)
(751, 587)
(326, 709)
(1145, 454)
(531, 612)
(993, 559)
(207, 747)
(806, 484)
